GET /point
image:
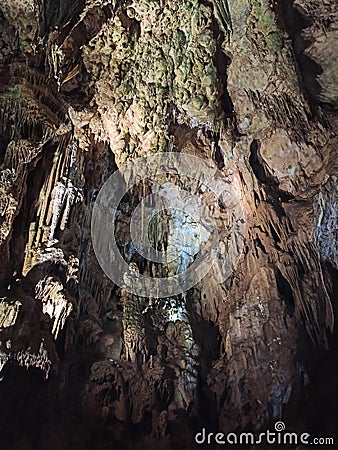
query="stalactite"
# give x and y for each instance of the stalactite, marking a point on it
(54, 302)
(28, 359)
(133, 327)
(98, 84)
(58, 195)
(8, 312)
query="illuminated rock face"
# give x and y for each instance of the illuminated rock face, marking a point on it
(89, 86)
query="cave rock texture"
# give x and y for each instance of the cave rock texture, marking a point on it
(87, 86)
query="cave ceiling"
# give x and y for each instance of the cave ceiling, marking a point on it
(168, 221)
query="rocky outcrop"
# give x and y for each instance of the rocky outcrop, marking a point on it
(86, 87)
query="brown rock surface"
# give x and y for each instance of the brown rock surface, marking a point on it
(86, 86)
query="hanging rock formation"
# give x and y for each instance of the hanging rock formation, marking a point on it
(86, 87)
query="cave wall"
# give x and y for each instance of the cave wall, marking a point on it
(87, 87)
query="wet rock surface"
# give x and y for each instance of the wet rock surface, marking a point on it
(86, 86)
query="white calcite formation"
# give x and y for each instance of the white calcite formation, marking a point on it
(8, 312)
(54, 303)
(26, 358)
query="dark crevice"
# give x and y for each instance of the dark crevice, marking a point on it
(293, 20)
(58, 13)
(317, 390)
(227, 108)
(207, 337)
(218, 155)
(256, 162)
(131, 25)
(222, 61)
(285, 292)
(257, 199)
(22, 387)
(275, 196)
(274, 234)
(258, 244)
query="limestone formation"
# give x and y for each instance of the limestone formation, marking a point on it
(86, 86)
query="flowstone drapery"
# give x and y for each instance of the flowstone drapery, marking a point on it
(88, 86)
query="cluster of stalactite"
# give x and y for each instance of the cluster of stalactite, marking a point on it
(92, 85)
